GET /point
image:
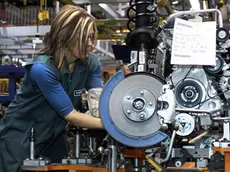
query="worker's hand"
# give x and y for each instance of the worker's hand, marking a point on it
(93, 101)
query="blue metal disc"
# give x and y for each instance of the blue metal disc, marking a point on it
(110, 126)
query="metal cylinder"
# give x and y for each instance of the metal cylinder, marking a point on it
(57, 7)
(144, 169)
(90, 151)
(77, 145)
(136, 165)
(32, 144)
(113, 163)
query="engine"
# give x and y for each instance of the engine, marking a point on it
(201, 109)
(178, 113)
(197, 99)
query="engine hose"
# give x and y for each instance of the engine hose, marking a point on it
(170, 148)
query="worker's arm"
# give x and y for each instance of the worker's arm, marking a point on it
(47, 82)
(94, 86)
(86, 121)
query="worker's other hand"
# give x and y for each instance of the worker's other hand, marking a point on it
(93, 101)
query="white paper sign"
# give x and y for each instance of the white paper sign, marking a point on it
(194, 43)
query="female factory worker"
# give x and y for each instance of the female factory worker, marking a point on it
(51, 91)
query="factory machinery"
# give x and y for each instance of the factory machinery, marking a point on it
(161, 117)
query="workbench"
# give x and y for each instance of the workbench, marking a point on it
(71, 168)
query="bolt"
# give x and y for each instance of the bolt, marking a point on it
(150, 103)
(142, 92)
(139, 104)
(128, 97)
(128, 111)
(142, 116)
(176, 127)
(164, 127)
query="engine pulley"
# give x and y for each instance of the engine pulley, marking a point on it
(128, 109)
(186, 124)
(189, 93)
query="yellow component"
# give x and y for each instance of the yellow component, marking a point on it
(165, 4)
(25, 2)
(221, 2)
(45, 14)
(4, 80)
(42, 3)
(153, 163)
(40, 16)
(161, 19)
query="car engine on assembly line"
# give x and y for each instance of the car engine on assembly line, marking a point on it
(181, 112)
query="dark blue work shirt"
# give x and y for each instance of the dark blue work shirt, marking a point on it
(43, 78)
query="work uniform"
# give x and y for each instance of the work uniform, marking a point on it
(30, 109)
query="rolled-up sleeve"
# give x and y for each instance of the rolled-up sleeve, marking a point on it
(47, 82)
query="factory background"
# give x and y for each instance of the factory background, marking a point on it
(23, 24)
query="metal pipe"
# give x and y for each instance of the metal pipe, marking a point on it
(170, 148)
(109, 160)
(193, 110)
(106, 137)
(90, 151)
(77, 145)
(203, 111)
(57, 6)
(144, 169)
(181, 13)
(122, 159)
(113, 163)
(221, 118)
(198, 137)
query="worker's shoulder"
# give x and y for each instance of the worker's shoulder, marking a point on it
(93, 59)
(42, 59)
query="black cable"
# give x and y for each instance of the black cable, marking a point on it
(188, 73)
(213, 97)
(182, 80)
(95, 155)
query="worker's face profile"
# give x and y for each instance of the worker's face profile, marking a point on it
(89, 47)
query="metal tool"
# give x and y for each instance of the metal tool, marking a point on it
(32, 161)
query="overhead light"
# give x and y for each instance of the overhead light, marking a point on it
(195, 4)
(175, 2)
(81, 1)
(109, 10)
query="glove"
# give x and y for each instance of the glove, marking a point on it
(93, 101)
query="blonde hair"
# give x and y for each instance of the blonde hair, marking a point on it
(70, 25)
